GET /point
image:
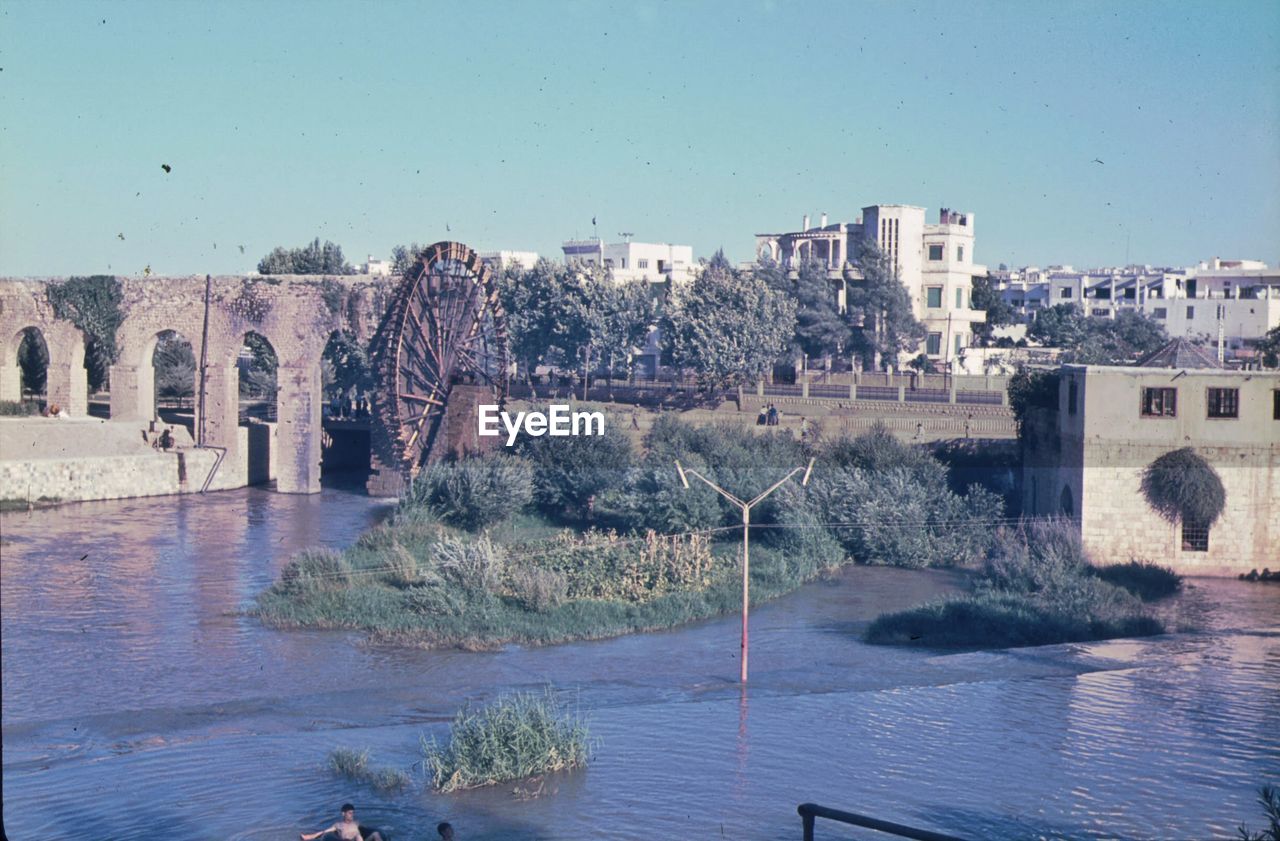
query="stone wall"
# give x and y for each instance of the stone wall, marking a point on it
(74, 477)
(1118, 525)
(296, 315)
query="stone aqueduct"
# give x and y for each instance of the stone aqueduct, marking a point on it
(296, 314)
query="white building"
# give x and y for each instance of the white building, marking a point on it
(933, 261)
(503, 259)
(373, 266)
(1237, 300)
(653, 262)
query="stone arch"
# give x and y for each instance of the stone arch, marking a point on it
(28, 346)
(346, 375)
(170, 366)
(1066, 503)
(66, 380)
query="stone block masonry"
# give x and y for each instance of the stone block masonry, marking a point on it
(296, 315)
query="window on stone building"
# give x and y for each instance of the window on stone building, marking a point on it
(1191, 313)
(1161, 312)
(959, 299)
(642, 264)
(1066, 292)
(1066, 507)
(1195, 537)
(1100, 311)
(934, 296)
(1275, 404)
(624, 262)
(933, 344)
(959, 253)
(1224, 402)
(1159, 402)
(935, 252)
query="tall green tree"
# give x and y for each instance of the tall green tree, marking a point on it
(314, 258)
(726, 326)
(404, 256)
(821, 330)
(1091, 340)
(1269, 348)
(879, 309)
(537, 307)
(174, 362)
(345, 364)
(1061, 325)
(986, 297)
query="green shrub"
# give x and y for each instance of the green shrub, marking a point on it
(654, 498)
(1146, 580)
(399, 567)
(18, 408)
(1181, 485)
(1037, 556)
(878, 450)
(740, 460)
(476, 566)
(349, 763)
(571, 472)
(889, 516)
(316, 569)
(515, 737)
(354, 765)
(1036, 588)
(538, 590)
(1269, 797)
(994, 620)
(604, 565)
(473, 493)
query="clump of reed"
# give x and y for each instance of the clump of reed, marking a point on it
(355, 765)
(517, 736)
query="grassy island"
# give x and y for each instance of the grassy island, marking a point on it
(1036, 587)
(584, 538)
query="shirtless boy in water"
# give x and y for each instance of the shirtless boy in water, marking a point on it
(346, 829)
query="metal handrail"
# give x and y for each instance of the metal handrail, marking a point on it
(809, 812)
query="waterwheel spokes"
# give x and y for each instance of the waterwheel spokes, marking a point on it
(445, 323)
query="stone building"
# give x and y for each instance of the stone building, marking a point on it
(933, 261)
(1084, 458)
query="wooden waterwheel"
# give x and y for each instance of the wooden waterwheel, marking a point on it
(445, 327)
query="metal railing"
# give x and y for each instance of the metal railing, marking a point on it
(810, 812)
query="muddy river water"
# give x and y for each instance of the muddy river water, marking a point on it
(139, 704)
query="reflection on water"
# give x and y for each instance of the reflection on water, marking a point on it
(135, 699)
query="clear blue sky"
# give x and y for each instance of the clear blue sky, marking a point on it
(703, 123)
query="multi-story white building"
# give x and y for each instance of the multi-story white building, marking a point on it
(653, 262)
(503, 259)
(1235, 300)
(933, 261)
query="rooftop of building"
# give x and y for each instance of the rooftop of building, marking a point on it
(1181, 354)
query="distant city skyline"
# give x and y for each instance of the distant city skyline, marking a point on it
(1082, 133)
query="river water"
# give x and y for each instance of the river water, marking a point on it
(138, 704)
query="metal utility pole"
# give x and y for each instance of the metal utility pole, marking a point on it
(746, 506)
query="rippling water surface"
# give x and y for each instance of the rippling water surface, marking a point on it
(138, 704)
